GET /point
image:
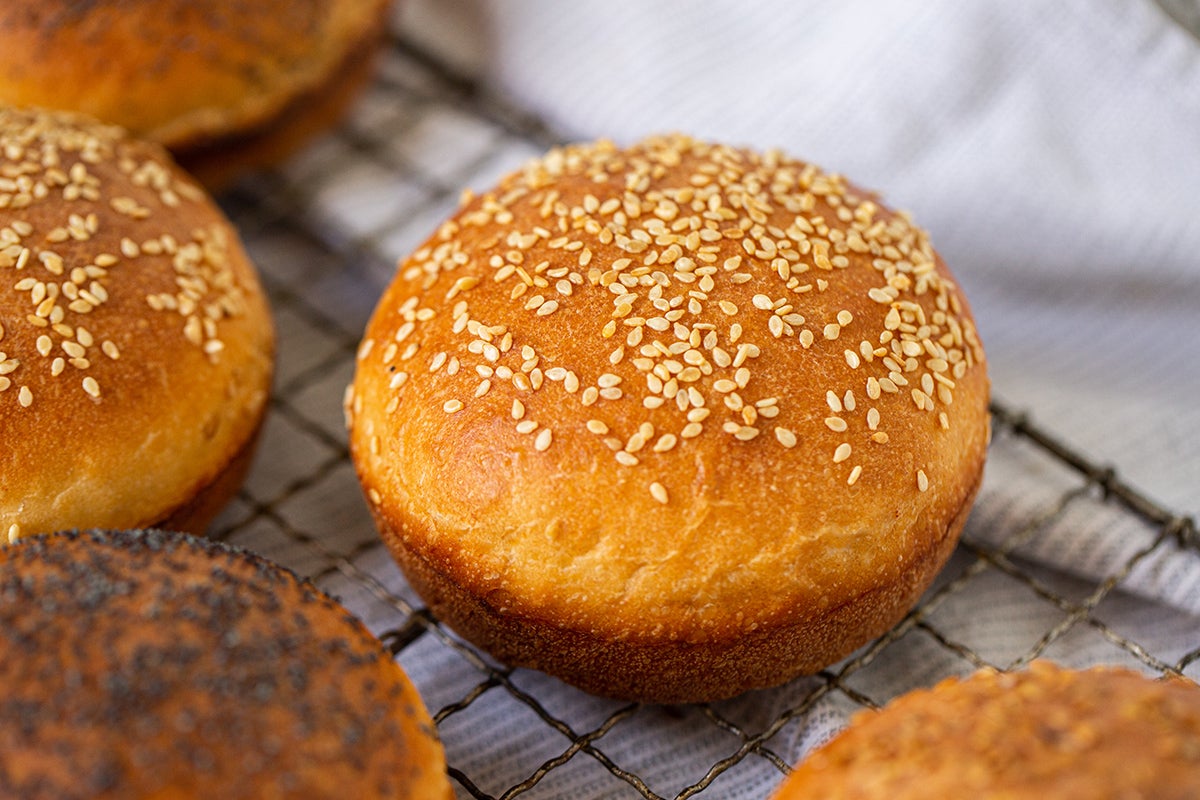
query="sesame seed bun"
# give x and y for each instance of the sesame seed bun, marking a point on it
(225, 85)
(142, 664)
(1043, 732)
(671, 422)
(136, 344)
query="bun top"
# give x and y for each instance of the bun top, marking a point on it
(694, 386)
(143, 664)
(1043, 732)
(135, 342)
(179, 72)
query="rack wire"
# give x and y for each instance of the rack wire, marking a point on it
(326, 232)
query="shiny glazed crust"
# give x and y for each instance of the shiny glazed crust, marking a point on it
(649, 419)
(184, 73)
(149, 665)
(1044, 732)
(137, 343)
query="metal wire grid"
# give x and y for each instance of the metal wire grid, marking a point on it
(326, 232)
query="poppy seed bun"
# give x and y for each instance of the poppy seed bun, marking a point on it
(136, 344)
(142, 664)
(202, 77)
(671, 422)
(1044, 732)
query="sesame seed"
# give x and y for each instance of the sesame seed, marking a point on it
(542, 442)
(745, 433)
(25, 397)
(841, 453)
(526, 426)
(665, 443)
(518, 409)
(626, 459)
(91, 386)
(785, 437)
(854, 475)
(831, 331)
(836, 424)
(659, 492)
(922, 480)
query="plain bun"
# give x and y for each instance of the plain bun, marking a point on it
(1044, 732)
(673, 421)
(136, 344)
(224, 85)
(144, 664)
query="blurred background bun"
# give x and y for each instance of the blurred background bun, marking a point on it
(145, 664)
(1104, 732)
(225, 84)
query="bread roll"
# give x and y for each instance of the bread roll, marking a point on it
(150, 665)
(225, 85)
(671, 422)
(136, 344)
(1045, 732)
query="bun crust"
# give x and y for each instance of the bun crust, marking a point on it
(189, 74)
(671, 422)
(1045, 732)
(147, 665)
(136, 341)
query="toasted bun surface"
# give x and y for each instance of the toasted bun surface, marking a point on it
(671, 422)
(189, 74)
(135, 341)
(149, 665)
(1045, 732)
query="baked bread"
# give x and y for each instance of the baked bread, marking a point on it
(1044, 732)
(225, 85)
(671, 422)
(136, 344)
(144, 664)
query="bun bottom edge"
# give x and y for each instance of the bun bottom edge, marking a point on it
(673, 671)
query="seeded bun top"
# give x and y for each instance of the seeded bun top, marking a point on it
(1043, 732)
(135, 342)
(143, 664)
(179, 72)
(677, 390)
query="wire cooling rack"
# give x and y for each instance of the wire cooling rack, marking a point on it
(326, 232)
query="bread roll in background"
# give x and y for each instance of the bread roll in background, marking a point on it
(136, 344)
(671, 421)
(225, 85)
(145, 664)
(1043, 732)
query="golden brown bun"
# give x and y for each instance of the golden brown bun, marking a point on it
(194, 75)
(1043, 733)
(141, 664)
(136, 344)
(609, 422)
